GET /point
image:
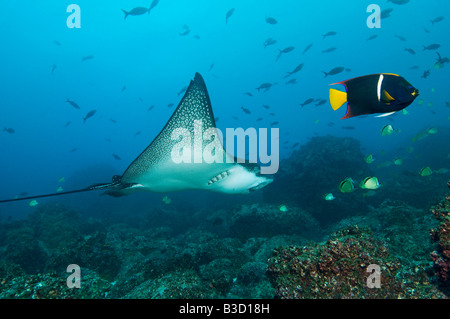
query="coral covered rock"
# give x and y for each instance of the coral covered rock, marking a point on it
(338, 268)
(441, 236)
(317, 168)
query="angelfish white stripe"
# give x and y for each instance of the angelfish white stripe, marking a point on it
(380, 81)
(385, 114)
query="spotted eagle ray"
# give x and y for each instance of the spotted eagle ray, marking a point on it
(155, 170)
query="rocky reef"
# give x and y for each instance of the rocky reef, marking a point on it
(317, 168)
(441, 237)
(339, 268)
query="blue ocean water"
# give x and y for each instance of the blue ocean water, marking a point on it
(135, 68)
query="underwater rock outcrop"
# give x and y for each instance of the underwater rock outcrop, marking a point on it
(441, 237)
(317, 168)
(338, 268)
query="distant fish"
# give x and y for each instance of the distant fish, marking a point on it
(433, 46)
(89, 115)
(285, 50)
(348, 127)
(136, 11)
(123, 89)
(153, 5)
(186, 30)
(398, 161)
(170, 105)
(410, 51)
(425, 171)
(291, 81)
(229, 14)
(87, 57)
(297, 68)
(398, 1)
(117, 157)
(307, 48)
(75, 105)
(183, 89)
(386, 13)
(375, 93)
(150, 108)
(334, 71)
(33, 203)
(53, 69)
(269, 41)
(274, 123)
(271, 20)
(248, 93)
(321, 102)
(246, 111)
(306, 102)
(330, 33)
(210, 68)
(387, 130)
(57, 42)
(401, 38)
(266, 106)
(425, 74)
(440, 63)
(369, 159)
(436, 20)
(370, 183)
(67, 124)
(372, 37)
(59, 189)
(264, 86)
(347, 185)
(329, 50)
(9, 130)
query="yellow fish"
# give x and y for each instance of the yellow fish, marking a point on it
(33, 203)
(425, 171)
(370, 183)
(347, 185)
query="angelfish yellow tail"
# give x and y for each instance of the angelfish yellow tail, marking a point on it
(337, 98)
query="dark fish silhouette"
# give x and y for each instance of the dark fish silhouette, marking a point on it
(269, 41)
(386, 13)
(410, 51)
(297, 68)
(89, 115)
(334, 71)
(265, 86)
(436, 20)
(9, 130)
(136, 11)
(229, 14)
(329, 50)
(433, 46)
(271, 20)
(75, 105)
(330, 33)
(285, 50)
(117, 157)
(307, 101)
(246, 111)
(87, 57)
(307, 48)
(425, 74)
